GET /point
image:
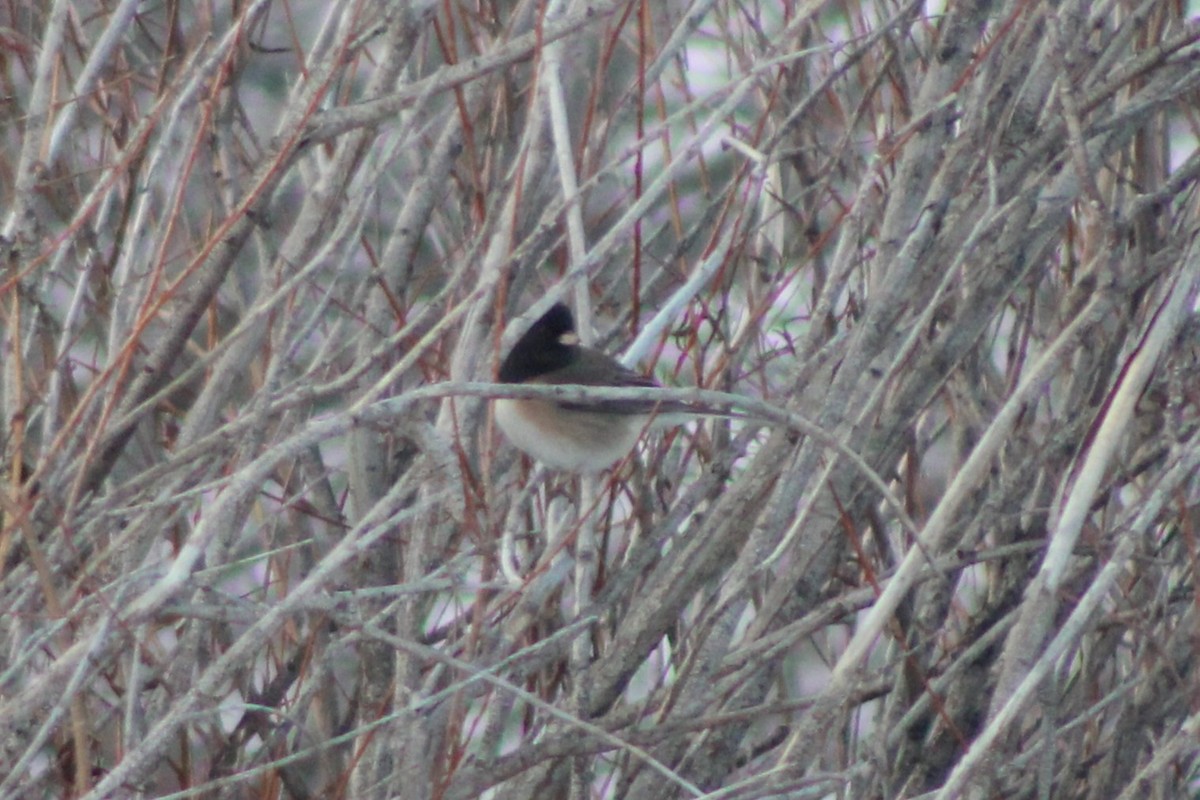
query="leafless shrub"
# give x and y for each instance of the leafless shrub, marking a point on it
(259, 538)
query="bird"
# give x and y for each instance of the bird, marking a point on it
(573, 435)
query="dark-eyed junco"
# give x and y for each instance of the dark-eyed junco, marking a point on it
(574, 436)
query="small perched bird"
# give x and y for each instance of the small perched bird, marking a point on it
(578, 436)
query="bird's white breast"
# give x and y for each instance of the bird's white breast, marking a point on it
(581, 441)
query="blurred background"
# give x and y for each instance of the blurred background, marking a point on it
(260, 538)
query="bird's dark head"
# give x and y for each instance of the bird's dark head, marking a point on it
(549, 344)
